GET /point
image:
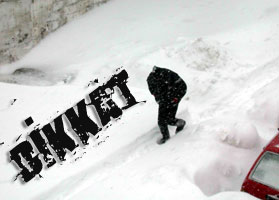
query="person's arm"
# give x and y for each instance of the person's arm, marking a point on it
(173, 80)
(151, 85)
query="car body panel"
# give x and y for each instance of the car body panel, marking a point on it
(254, 187)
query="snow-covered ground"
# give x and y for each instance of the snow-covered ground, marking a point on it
(226, 51)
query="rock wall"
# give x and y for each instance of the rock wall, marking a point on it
(23, 23)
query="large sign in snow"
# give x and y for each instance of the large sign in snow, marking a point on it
(47, 140)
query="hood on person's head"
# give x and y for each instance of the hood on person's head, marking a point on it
(154, 68)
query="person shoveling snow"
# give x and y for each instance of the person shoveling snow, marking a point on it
(168, 89)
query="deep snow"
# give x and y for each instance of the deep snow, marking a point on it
(226, 51)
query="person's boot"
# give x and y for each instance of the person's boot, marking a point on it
(180, 125)
(163, 139)
(165, 133)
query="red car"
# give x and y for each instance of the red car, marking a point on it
(262, 180)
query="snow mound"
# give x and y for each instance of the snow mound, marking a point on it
(232, 196)
(266, 106)
(200, 54)
(230, 141)
(222, 174)
(240, 134)
(31, 76)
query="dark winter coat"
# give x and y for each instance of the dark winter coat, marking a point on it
(166, 85)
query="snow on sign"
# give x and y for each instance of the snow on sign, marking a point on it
(81, 124)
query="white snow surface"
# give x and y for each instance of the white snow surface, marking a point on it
(226, 51)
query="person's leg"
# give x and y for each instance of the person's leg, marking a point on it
(163, 120)
(172, 120)
(171, 112)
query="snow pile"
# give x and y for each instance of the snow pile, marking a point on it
(229, 142)
(240, 134)
(200, 54)
(266, 107)
(30, 76)
(221, 169)
(232, 196)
